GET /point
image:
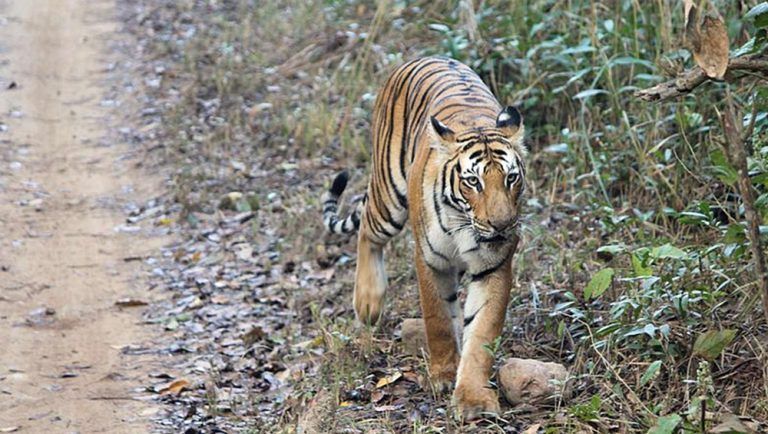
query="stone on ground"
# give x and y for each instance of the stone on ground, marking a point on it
(527, 381)
(414, 336)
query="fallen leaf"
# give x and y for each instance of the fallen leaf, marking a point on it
(174, 387)
(10, 429)
(326, 274)
(283, 375)
(385, 408)
(377, 395)
(253, 335)
(533, 429)
(411, 376)
(130, 302)
(220, 299)
(389, 379)
(345, 404)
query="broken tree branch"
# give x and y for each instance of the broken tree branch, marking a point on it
(692, 78)
(737, 152)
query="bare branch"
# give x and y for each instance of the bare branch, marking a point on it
(692, 78)
(737, 153)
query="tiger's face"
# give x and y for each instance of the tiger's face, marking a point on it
(484, 177)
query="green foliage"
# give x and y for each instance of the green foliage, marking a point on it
(759, 15)
(588, 411)
(650, 373)
(599, 283)
(666, 424)
(709, 345)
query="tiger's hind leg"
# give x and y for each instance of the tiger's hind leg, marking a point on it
(371, 273)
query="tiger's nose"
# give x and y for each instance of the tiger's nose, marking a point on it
(501, 224)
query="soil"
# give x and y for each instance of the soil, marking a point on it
(66, 252)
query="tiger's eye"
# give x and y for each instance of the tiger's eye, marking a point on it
(472, 181)
(511, 178)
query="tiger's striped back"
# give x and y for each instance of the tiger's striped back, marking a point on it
(430, 86)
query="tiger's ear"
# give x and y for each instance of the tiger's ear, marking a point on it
(509, 121)
(442, 130)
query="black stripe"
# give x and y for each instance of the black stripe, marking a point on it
(436, 193)
(461, 105)
(472, 249)
(476, 154)
(377, 228)
(402, 82)
(432, 248)
(450, 200)
(468, 320)
(481, 275)
(452, 298)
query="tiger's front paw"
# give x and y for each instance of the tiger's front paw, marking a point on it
(367, 306)
(442, 377)
(475, 402)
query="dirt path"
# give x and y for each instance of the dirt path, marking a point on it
(62, 267)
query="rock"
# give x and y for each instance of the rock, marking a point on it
(527, 381)
(37, 204)
(414, 336)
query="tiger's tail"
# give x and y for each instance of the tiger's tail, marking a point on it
(331, 219)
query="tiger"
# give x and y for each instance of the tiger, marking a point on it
(450, 158)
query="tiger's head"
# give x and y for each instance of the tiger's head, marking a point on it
(484, 175)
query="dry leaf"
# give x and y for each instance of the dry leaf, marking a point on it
(389, 379)
(326, 274)
(175, 387)
(533, 429)
(220, 299)
(411, 376)
(707, 39)
(377, 395)
(343, 404)
(687, 7)
(10, 429)
(731, 424)
(283, 375)
(712, 55)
